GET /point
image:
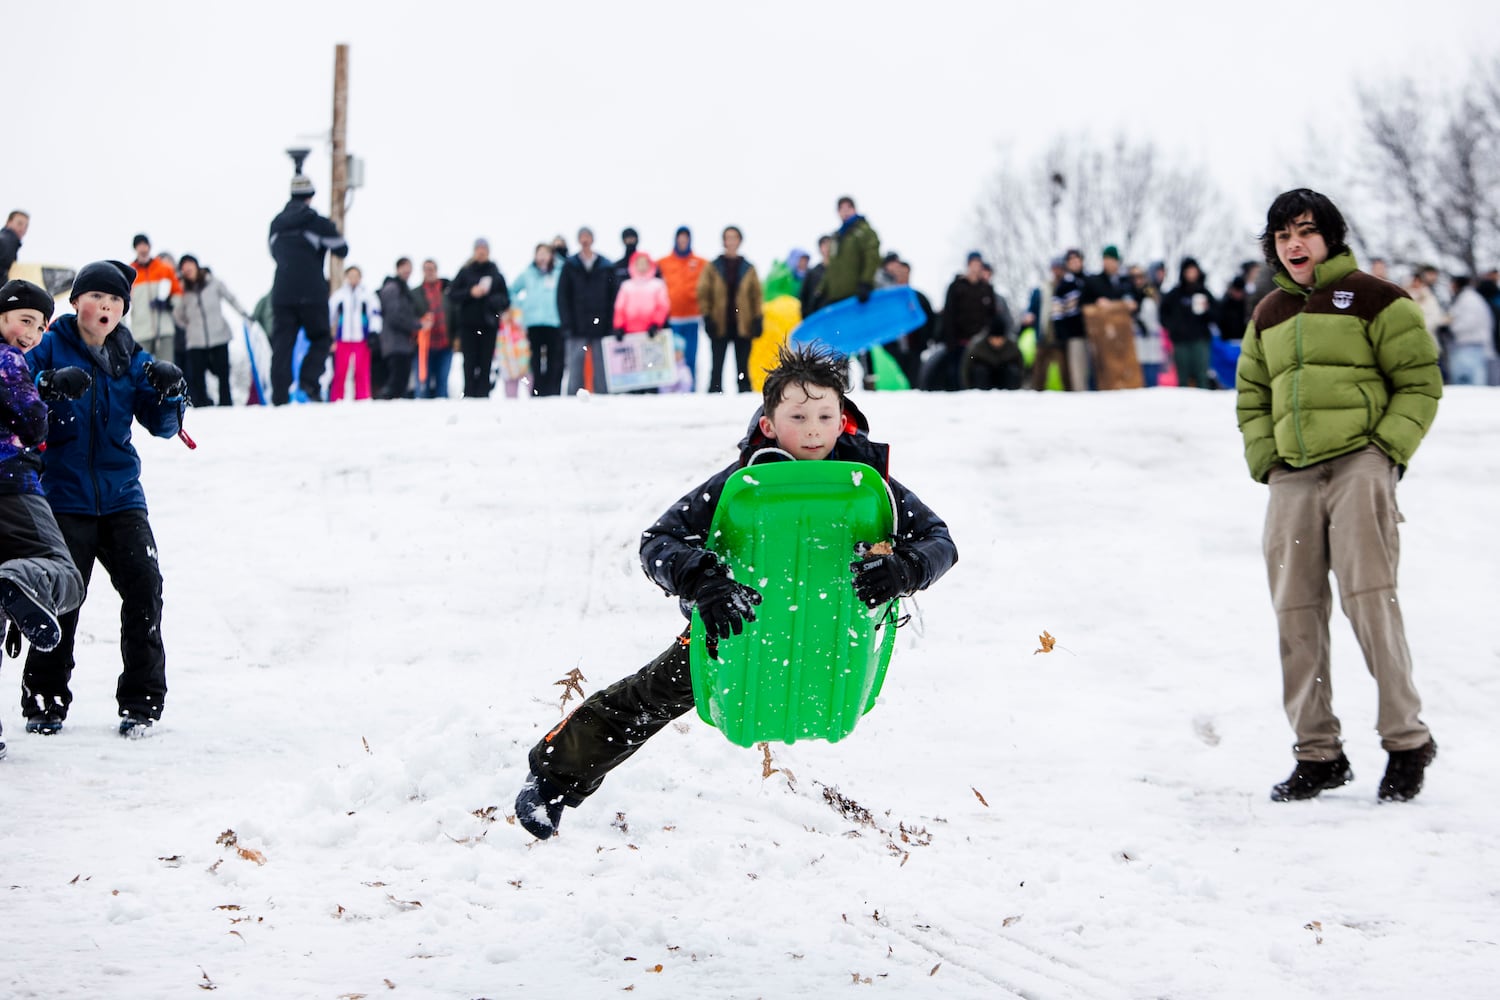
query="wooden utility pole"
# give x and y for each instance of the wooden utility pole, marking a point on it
(340, 156)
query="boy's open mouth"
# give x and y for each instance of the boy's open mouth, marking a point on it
(1297, 261)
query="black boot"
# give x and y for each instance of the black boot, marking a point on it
(539, 807)
(1403, 775)
(1311, 777)
(31, 614)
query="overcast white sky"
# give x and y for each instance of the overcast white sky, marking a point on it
(517, 122)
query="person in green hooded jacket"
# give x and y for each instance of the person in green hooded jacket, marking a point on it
(856, 257)
(1337, 384)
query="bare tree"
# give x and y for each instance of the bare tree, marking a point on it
(1437, 156)
(1083, 193)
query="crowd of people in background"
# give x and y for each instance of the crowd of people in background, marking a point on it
(543, 331)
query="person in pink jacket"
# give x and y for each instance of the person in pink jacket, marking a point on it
(642, 304)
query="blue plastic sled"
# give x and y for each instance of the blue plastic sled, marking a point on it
(814, 660)
(850, 326)
(1224, 358)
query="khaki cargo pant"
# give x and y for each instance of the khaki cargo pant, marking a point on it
(1340, 515)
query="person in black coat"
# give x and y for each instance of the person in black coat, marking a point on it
(479, 298)
(1187, 312)
(586, 309)
(299, 295)
(992, 360)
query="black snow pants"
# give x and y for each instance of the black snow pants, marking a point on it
(612, 724)
(125, 547)
(34, 554)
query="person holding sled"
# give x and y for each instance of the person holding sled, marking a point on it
(805, 416)
(1337, 384)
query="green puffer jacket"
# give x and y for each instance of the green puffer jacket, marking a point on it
(1327, 371)
(856, 256)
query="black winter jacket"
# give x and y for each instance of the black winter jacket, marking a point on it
(482, 314)
(672, 551)
(299, 239)
(586, 297)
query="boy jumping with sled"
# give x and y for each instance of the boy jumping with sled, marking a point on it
(806, 417)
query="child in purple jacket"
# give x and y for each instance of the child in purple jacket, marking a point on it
(38, 580)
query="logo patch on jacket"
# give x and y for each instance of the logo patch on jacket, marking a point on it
(1343, 299)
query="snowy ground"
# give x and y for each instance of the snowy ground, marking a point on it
(368, 606)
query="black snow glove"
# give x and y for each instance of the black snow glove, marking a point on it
(63, 383)
(723, 604)
(881, 579)
(166, 378)
(863, 294)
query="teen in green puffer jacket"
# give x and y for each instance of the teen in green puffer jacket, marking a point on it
(1338, 382)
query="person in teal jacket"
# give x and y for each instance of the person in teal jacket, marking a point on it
(535, 291)
(1337, 384)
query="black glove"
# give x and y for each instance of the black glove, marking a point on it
(161, 305)
(654, 328)
(881, 579)
(723, 604)
(863, 294)
(166, 378)
(63, 383)
(619, 333)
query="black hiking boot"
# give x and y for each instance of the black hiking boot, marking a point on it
(539, 807)
(48, 724)
(1403, 775)
(35, 619)
(133, 726)
(1311, 777)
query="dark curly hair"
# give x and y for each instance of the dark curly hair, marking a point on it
(808, 365)
(1290, 204)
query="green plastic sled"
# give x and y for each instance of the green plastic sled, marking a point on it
(815, 657)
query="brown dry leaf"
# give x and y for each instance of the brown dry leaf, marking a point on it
(388, 984)
(366, 743)
(171, 859)
(630, 988)
(238, 935)
(251, 855)
(655, 968)
(215, 866)
(228, 838)
(74, 879)
(1047, 642)
(571, 682)
(229, 906)
(1010, 920)
(935, 968)
(352, 996)
(979, 797)
(207, 984)
(404, 904)
(766, 770)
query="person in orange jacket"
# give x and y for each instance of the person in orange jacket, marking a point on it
(154, 295)
(681, 269)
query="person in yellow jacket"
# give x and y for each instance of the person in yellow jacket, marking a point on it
(729, 299)
(1337, 384)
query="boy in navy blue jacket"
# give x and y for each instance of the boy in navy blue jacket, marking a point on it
(91, 475)
(37, 577)
(805, 416)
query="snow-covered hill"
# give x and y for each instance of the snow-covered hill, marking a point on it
(368, 607)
